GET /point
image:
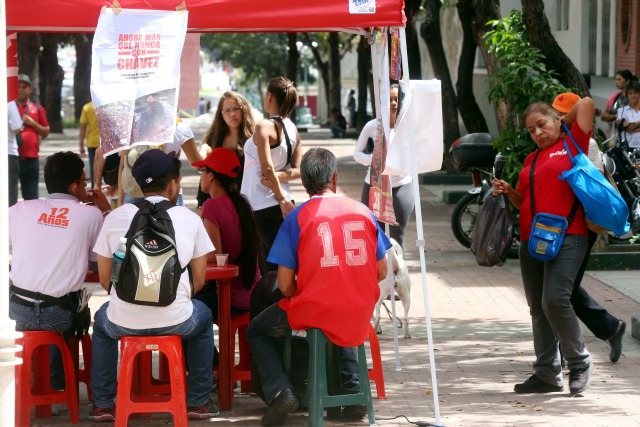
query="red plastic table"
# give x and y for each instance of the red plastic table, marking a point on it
(223, 276)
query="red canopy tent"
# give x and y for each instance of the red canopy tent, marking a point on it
(210, 15)
(204, 16)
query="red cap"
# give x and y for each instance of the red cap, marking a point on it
(565, 101)
(221, 160)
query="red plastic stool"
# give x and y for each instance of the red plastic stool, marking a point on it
(82, 375)
(131, 402)
(375, 373)
(36, 344)
(242, 370)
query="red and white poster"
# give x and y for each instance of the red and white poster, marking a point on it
(380, 197)
(135, 76)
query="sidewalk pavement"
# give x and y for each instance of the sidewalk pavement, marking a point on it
(481, 332)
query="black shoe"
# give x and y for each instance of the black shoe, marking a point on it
(579, 379)
(535, 385)
(354, 412)
(284, 403)
(616, 343)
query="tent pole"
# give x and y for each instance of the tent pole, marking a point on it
(420, 234)
(376, 65)
(8, 332)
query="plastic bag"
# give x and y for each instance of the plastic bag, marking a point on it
(492, 233)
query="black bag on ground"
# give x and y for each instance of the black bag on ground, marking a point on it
(492, 234)
(150, 273)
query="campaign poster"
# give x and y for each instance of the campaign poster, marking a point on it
(380, 197)
(135, 76)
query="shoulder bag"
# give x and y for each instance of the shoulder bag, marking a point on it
(602, 204)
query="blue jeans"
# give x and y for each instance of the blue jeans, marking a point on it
(29, 177)
(197, 339)
(263, 335)
(44, 319)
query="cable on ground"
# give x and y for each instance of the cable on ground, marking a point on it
(417, 423)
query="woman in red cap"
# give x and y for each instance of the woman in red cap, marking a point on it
(229, 221)
(548, 285)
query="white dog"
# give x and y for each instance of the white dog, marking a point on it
(401, 284)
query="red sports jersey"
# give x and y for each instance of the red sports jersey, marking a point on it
(334, 244)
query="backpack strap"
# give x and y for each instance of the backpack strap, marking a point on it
(286, 137)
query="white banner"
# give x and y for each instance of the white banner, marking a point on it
(135, 76)
(422, 100)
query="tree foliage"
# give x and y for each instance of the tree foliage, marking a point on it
(522, 80)
(260, 55)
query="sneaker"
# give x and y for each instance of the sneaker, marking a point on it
(203, 412)
(103, 415)
(278, 410)
(535, 385)
(579, 379)
(616, 343)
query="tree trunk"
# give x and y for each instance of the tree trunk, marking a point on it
(364, 76)
(28, 56)
(430, 31)
(489, 10)
(469, 110)
(411, 8)
(51, 76)
(335, 88)
(82, 73)
(541, 38)
(322, 66)
(293, 58)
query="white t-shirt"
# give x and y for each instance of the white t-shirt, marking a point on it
(632, 116)
(51, 241)
(259, 196)
(369, 131)
(14, 122)
(183, 134)
(192, 241)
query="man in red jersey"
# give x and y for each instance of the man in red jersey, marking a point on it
(330, 253)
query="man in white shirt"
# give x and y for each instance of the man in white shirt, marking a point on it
(14, 122)
(158, 175)
(51, 242)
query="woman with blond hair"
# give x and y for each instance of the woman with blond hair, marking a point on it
(232, 125)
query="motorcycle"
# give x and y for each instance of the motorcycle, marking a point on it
(474, 153)
(622, 164)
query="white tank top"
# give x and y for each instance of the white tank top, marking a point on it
(259, 196)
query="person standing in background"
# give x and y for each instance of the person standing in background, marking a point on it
(14, 125)
(351, 107)
(89, 129)
(36, 126)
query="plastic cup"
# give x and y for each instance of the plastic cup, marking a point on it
(221, 260)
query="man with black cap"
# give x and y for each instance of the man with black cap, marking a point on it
(158, 175)
(36, 126)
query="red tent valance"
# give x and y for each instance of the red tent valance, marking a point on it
(209, 15)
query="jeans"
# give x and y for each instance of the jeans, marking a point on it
(403, 204)
(14, 179)
(29, 177)
(197, 339)
(548, 286)
(44, 319)
(263, 335)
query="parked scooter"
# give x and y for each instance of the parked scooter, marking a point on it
(474, 153)
(622, 163)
